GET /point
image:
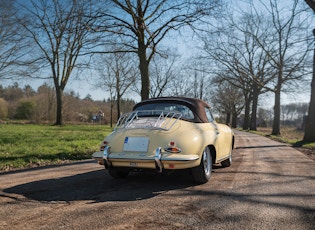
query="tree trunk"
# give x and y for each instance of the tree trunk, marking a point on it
(111, 112)
(253, 118)
(142, 53)
(144, 72)
(246, 113)
(276, 117)
(309, 134)
(234, 120)
(228, 118)
(59, 105)
(118, 105)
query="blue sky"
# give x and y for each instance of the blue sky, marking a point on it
(184, 46)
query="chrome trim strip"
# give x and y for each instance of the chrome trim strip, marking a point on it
(163, 159)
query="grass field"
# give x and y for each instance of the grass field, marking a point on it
(289, 135)
(27, 145)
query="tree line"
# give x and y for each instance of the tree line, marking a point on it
(38, 106)
(243, 49)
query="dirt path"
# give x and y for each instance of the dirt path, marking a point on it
(268, 186)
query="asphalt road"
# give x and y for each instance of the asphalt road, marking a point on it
(268, 186)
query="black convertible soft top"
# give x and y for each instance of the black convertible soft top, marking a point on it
(197, 106)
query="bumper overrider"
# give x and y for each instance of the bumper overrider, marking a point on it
(160, 160)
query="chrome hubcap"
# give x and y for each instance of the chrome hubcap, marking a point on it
(206, 162)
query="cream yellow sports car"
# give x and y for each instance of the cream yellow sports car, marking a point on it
(164, 134)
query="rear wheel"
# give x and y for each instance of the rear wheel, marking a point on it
(118, 172)
(202, 173)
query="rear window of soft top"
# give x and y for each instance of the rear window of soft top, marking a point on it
(172, 107)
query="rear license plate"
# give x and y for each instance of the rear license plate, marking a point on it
(136, 144)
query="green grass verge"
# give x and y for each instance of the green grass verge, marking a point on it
(288, 135)
(27, 145)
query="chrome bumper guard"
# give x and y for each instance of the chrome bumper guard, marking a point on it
(106, 154)
(157, 159)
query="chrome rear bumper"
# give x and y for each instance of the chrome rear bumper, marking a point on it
(107, 158)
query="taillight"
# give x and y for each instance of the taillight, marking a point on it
(103, 144)
(172, 148)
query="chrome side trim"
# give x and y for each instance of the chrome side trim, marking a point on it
(157, 159)
(106, 154)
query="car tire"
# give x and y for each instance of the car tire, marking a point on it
(118, 172)
(202, 173)
(227, 162)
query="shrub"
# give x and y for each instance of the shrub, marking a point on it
(25, 110)
(3, 109)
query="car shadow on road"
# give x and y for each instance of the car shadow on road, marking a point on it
(98, 186)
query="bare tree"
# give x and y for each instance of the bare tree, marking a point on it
(265, 115)
(293, 112)
(191, 79)
(45, 103)
(199, 78)
(117, 76)
(181, 85)
(284, 47)
(228, 100)
(3, 109)
(266, 51)
(163, 73)
(309, 135)
(60, 29)
(12, 43)
(241, 61)
(141, 25)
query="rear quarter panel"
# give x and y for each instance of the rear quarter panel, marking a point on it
(224, 141)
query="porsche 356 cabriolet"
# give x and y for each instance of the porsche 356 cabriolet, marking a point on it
(168, 133)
